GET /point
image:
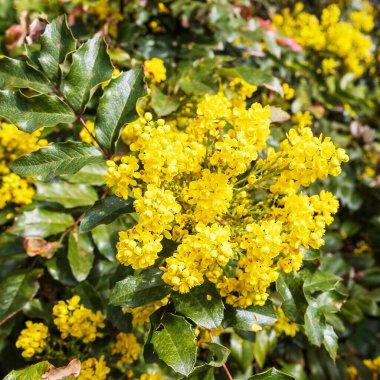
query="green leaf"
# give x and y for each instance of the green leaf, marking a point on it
(219, 354)
(162, 104)
(320, 281)
(61, 158)
(67, 194)
(41, 223)
(245, 319)
(91, 66)
(140, 289)
(175, 344)
(196, 306)
(33, 372)
(118, 106)
(105, 241)
(80, 254)
(105, 211)
(314, 325)
(56, 42)
(330, 341)
(271, 374)
(30, 114)
(18, 74)
(251, 75)
(265, 342)
(289, 285)
(90, 174)
(17, 290)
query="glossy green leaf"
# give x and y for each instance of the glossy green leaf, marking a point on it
(53, 160)
(41, 223)
(271, 374)
(175, 344)
(265, 342)
(30, 114)
(91, 66)
(330, 341)
(314, 325)
(105, 211)
(89, 174)
(246, 319)
(118, 106)
(67, 194)
(17, 290)
(80, 254)
(18, 74)
(162, 104)
(105, 242)
(140, 289)
(219, 354)
(56, 42)
(196, 305)
(320, 281)
(32, 372)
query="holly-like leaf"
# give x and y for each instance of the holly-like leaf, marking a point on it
(18, 74)
(30, 114)
(80, 254)
(91, 66)
(330, 341)
(271, 374)
(175, 344)
(202, 305)
(105, 211)
(118, 106)
(33, 372)
(67, 194)
(140, 289)
(56, 42)
(17, 290)
(219, 354)
(41, 223)
(105, 241)
(320, 281)
(314, 325)
(248, 319)
(162, 104)
(61, 158)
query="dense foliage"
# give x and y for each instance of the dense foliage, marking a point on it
(189, 189)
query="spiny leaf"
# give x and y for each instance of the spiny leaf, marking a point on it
(105, 211)
(41, 223)
(175, 344)
(32, 372)
(67, 194)
(56, 42)
(60, 158)
(33, 113)
(141, 289)
(202, 305)
(118, 106)
(18, 74)
(80, 254)
(91, 66)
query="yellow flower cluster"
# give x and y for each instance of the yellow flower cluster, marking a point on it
(329, 35)
(231, 206)
(94, 369)
(141, 314)
(73, 319)
(13, 144)
(127, 346)
(284, 324)
(155, 70)
(84, 135)
(151, 376)
(32, 339)
(373, 365)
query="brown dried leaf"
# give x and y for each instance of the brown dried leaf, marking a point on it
(72, 369)
(39, 247)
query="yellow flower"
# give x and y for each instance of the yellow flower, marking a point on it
(84, 135)
(94, 369)
(32, 339)
(284, 324)
(151, 376)
(73, 319)
(155, 70)
(288, 91)
(127, 346)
